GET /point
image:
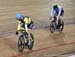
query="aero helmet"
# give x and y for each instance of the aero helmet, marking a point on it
(18, 16)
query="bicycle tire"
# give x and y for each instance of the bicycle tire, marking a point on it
(61, 29)
(32, 42)
(52, 27)
(21, 43)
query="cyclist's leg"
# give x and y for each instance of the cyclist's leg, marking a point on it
(30, 31)
(55, 17)
(61, 16)
(23, 34)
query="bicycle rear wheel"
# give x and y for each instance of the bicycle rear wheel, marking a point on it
(62, 26)
(32, 41)
(21, 43)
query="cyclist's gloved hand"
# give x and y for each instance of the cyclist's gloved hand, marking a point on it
(16, 32)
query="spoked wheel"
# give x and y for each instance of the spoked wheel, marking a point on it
(52, 27)
(32, 41)
(21, 43)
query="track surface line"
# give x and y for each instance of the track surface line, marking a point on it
(41, 49)
(35, 28)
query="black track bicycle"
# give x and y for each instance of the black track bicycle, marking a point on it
(54, 27)
(23, 41)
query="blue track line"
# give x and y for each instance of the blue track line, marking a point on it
(35, 28)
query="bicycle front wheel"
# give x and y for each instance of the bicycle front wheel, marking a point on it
(52, 27)
(21, 43)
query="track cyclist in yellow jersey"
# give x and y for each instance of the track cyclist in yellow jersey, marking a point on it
(24, 23)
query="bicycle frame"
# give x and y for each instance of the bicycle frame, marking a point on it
(23, 34)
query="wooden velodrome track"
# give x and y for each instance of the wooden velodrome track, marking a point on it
(46, 44)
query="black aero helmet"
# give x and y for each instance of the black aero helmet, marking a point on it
(55, 7)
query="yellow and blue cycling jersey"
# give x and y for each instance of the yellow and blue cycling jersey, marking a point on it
(26, 24)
